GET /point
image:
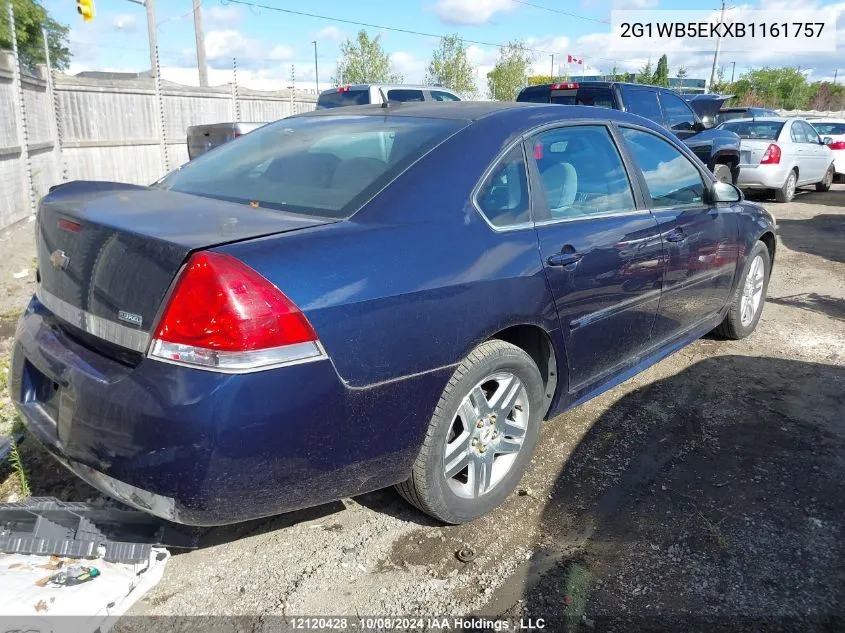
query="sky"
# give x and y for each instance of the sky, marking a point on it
(272, 45)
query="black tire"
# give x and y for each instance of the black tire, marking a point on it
(723, 173)
(427, 487)
(787, 193)
(824, 185)
(732, 327)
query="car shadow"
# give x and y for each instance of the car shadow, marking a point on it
(708, 500)
(834, 307)
(822, 235)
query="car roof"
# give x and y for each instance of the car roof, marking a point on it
(764, 119)
(474, 110)
(600, 84)
(827, 120)
(388, 86)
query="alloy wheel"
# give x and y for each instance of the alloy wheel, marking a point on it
(486, 435)
(752, 293)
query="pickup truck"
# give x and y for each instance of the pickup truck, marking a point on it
(202, 138)
(718, 149)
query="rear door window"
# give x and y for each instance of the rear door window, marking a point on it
(503, 197)
(405, 95)
(581, 173)
(643, 102)
(439, 95)
(342, 98)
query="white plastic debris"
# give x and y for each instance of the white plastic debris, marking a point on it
(33, 589)
(21, 274)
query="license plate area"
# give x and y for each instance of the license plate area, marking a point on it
(745, 157)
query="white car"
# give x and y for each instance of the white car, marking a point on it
(781, 154)
(835, 129)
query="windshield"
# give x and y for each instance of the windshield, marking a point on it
(729, 115)
(338, 99)
(318, 166)
(766, 130)
(829, 128)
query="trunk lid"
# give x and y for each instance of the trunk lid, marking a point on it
(108, 252)
(752, 150)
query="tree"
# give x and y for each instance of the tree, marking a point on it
(778, 87)
(682, 72)
(661, 75)
(29, 18)
(363, 61)
(645, 75)
(510, 74)
(450, 66)
(616, 75)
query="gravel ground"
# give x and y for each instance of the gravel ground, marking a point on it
(705, 493)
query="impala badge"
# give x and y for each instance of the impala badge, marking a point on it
(59, 259)
(129, 317)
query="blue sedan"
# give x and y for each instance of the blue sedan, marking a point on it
(363, 297)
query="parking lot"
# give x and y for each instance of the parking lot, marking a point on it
(708, 487)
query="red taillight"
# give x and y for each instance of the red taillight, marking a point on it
(224, 315)
(837, 145)
(70, 225)
(343, 88)
(567, 86)
(238, 135)
(538, 151)
(771, 156)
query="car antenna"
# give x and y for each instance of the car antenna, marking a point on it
(384, 102)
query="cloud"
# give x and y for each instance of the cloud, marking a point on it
(634, 4)
(280, 53)
(127, 22)
(217, 16)
(330, 32)
(411, 67)
(221, 45)
(471, 11)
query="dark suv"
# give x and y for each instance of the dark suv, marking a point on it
(718, 149)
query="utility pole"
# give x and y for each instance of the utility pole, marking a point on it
(733, 70)
(553, 67)
(718, 49)
(151, 34)
(835, 72)
(316, 70)
(202, 63)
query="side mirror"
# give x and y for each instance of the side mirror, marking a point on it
(725, 192)
(702, 124)
(827, 140)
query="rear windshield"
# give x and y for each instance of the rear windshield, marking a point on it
(599, 97)
(730, 115)
(830, 128)
(339, 99)
(317, 166)
(766, 130)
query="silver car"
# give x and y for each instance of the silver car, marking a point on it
(363, 94)
(781, 154)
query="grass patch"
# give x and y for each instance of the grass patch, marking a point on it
(19, 471)
(11, 315)
(576, 592)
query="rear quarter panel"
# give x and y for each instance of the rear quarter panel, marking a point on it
(417, 278)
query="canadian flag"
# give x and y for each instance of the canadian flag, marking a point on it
(574, 60)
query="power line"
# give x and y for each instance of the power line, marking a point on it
(257, 5)
(559, 11)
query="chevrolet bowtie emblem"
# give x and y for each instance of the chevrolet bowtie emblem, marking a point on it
(59, 259)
